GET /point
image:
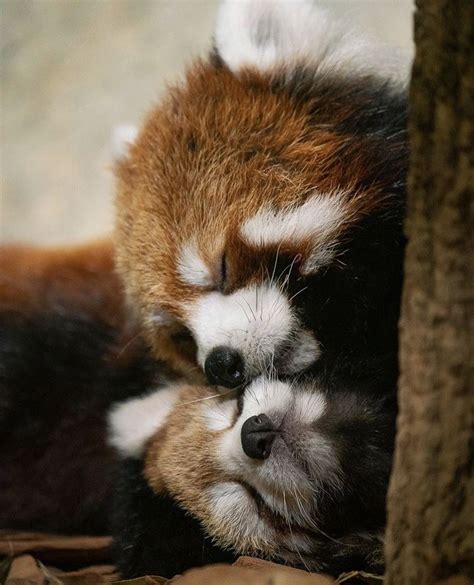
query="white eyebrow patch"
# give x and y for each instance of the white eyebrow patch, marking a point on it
(219, 414)
(309, 406)
(317, 219)
(191, 267)
(319, 216)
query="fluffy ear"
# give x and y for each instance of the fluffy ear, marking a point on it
(122, 138)
(269, 33)
(134, 422)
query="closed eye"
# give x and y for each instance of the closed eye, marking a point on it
(223, 273)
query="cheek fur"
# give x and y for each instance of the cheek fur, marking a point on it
(234, 518)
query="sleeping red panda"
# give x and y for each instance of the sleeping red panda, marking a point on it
(260, 207)
(259, 230)
(259, 211)
(294, 472)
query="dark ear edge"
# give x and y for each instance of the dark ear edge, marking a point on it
(215, 59)
(152, 534)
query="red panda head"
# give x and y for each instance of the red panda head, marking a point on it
(275, 473)
(246, 187)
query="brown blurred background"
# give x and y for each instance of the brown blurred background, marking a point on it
(72, 70)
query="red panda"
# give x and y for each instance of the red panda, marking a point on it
(67, 353)
(276, 473)
(259, 209)
(259, 231)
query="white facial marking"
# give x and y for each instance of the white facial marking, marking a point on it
(309, 406)
(122, 138)
(236, 512)
(268, 396)
(317, 219)
(219, 414)
(253, 320)
(134, 422)
(271, 33)
(304, 351)
(318, 216)
(228, 498)
(192, 268)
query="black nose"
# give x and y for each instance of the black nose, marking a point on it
(224, 366)
(257, 436)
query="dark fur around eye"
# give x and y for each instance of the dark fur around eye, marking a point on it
(223, 273)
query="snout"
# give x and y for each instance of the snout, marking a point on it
(257, 436)
(250, 332)
(224, 366)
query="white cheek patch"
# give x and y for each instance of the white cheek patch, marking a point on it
(134, 422)
(254, 320)
(269, 33)
(318, 219)
(230, 501)
(235, 515)
(191, 267)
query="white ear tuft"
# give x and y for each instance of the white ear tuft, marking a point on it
(122, 138)
(269, 33)
(134, 422)
(263, 32)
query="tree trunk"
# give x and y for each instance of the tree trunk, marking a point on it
(430, 533)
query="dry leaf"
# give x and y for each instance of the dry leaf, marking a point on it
(55, 550)
(24, 570)
(272, 574)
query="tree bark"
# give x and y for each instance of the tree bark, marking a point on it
(430, 532)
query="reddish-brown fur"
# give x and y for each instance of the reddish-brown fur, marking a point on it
(33, 278)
